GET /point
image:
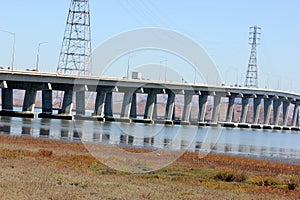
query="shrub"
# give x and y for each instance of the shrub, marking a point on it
(45, 153)
(265, 181)
(293, 182)
(292, 185)
(230, 176)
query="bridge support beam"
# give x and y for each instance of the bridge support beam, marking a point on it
(80, 103)
(7, 99)
(67, 105)
(187, 107)
(286, 106)
(126, 106)
(150, 105)
(216, 111)
(29, 100)
(108, 112)
(230, 109)
(256, 109)
(276, 111)
(170, 107)
(133, 110)
(202, 107)
(295, 114)
(47, 101)
(245, 108)
(99, 104)
(267, 110)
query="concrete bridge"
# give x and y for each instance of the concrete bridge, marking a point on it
(275, 104)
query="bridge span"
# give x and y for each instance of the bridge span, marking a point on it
(274, 103)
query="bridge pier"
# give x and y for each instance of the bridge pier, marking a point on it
(295, 114)
(80, 103)
(267, 110)
(7, 99)
(170, 107)
(256, 109)
(216, 109)
(133, 110)
(202, 107)
(29, 101)
(67, 104)
(99, 103)
(286, 106)
(126, 106)
(150, 104)
(276, 111)
(230, 108)
(187, 107)
(245, 108)
(108, 112)
(47, 101)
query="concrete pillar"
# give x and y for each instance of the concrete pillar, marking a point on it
(216, 111)
(155, 114)
(256, 109)
(267, 110)
(7, 99)
(187, 107)
(170, 107)
(295, 114)
(47, 101)
(80, 103)
(276, 111)
(133, 110)
(99, 104)
(108, 112)
(67, 102)
(126, 106)
(202, 107)
(285, 109)
(150, 105)
(245, 108)
(230, 109)
(29, 100)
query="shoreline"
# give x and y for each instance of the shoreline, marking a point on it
(277, 159)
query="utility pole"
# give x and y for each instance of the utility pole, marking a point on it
(38, 55)
(13, 48)
(75, 55)
(252, 74)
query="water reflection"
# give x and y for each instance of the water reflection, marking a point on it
(45, 128)
(178, 138)
(5, 125)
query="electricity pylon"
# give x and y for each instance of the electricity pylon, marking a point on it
(75, 55)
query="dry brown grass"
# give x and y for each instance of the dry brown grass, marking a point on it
(43, 169)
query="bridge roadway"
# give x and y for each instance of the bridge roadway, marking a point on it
(273, 102)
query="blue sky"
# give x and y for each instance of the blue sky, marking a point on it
(220, 27)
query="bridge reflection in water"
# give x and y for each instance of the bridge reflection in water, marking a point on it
(275, 105)
(260, 143)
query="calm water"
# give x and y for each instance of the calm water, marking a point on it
(257, 143)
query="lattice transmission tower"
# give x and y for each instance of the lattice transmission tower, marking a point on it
(252, 74)
(75, 55)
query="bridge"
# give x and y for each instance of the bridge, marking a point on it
(275, 104)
